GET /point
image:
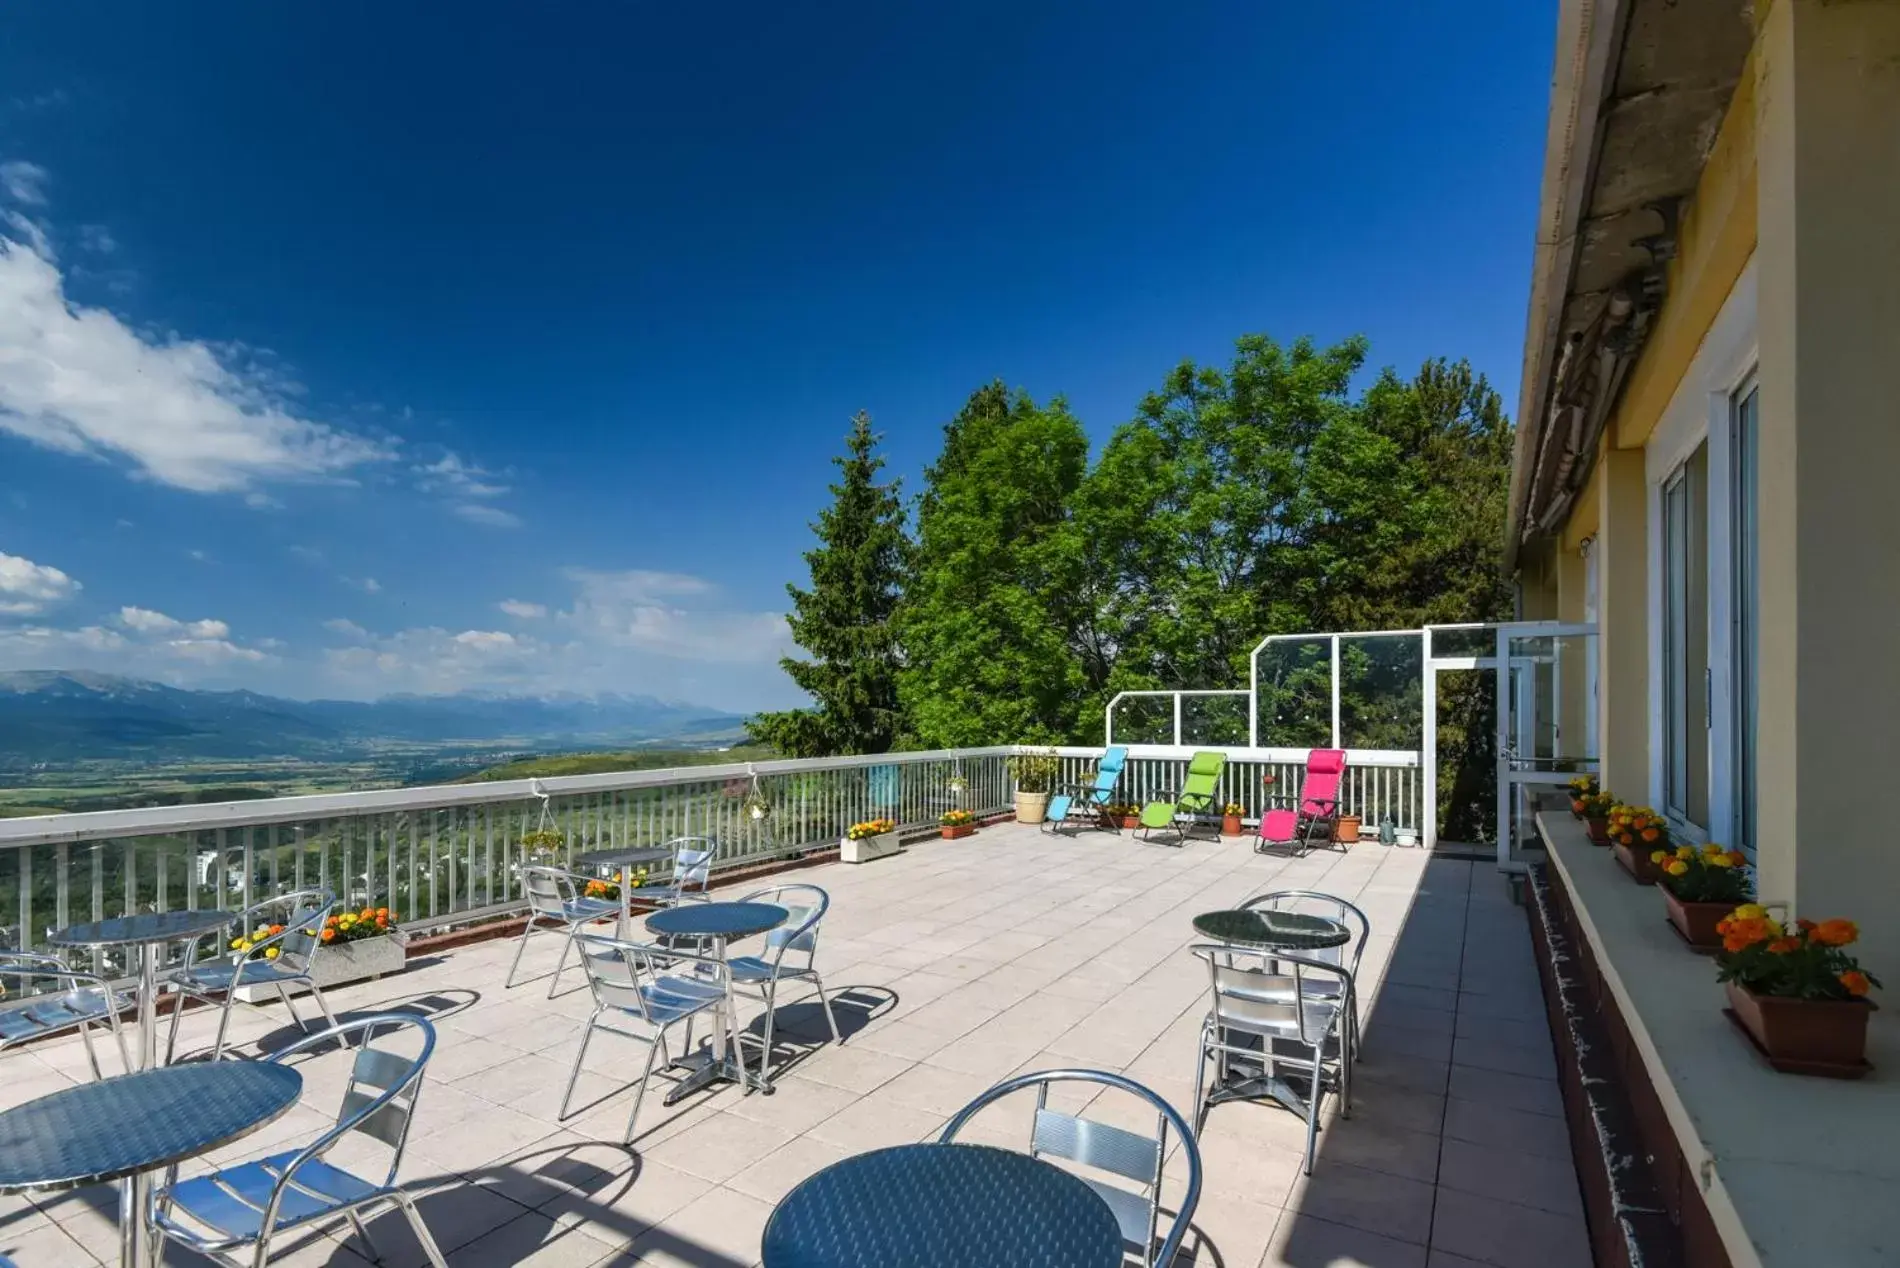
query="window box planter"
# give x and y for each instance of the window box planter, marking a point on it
(1599, 829)
(1805, 1036)
(956, 832)
(1636, 861)
(1696, 921)
(864, 849)
(343, 962)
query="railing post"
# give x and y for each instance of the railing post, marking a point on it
(1335, 641)
(1177, 719)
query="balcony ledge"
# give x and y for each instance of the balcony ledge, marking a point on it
(1793, 1170)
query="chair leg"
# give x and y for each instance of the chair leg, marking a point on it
(224, 1022)
(171, 1040)
(316, 993)
(826, 1005)
(369, 1243)
(1313, 1095)
(421, 1231)
(633, 1117)
(567, 944)
(765, 1053)
(284, 994)
(92, 1058)
(1200, 1082)
(574, 1076)
(520, 946)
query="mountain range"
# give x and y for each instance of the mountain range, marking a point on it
(66, 715)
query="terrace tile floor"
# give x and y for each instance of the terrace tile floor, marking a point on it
(952, 966)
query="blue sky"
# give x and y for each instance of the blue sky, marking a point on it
(357, 348)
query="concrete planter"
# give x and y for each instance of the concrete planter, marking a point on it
(1032, 807)
(865, 849)
(343, 962)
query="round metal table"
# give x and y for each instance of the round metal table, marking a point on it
(127, 1127)
(150, 932)
(935, 1204)
(717, 923)
(1282, 930)
(623, 857)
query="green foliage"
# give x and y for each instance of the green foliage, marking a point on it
(985, 662)
(1035, 772)
(847, 620)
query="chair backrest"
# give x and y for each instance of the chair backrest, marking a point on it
(807, 905)
(1106, 1148)
(549, 891)
(614, 968)
(302, 913)
(1203, 773)
(1329, 905)
(1108, 771)
(692, 862)
(1264, 990)
(1319, 791)
(379, 1100)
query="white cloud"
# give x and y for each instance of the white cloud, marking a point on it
(97, 239)
(27, 588)
(146, 621)
(24, 182)
(672, 614)
(482, 513)
(30, 231)
(368, 585)
(346, 627)
(523, 610)
(79, 380)
(485, 640)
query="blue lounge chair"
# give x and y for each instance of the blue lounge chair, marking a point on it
(1089, 803)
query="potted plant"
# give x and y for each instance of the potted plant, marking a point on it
(1797, 992)
(352, 945)
(543, 846)
(1636, 833)
(872, 839)
(956, 824)
(1230, 819)
(1035, 773)
(609, 890)
(1122, 814)
(1596, 816)
(1581, 787)
(1346, 829)
(1700, 888)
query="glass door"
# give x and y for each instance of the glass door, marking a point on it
(1745, 609)
(1546, 682)
(1686, 685)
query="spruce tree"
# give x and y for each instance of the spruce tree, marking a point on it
(847, 620)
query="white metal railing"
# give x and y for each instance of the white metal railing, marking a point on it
(1177, 733)
(450, 854)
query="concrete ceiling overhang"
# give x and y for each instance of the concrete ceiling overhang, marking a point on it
(1638, 94)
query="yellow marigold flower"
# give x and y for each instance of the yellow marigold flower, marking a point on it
(1719, 860)
(1676, 867)
(1657, 856)
(271, 954)
(1711, 849)
(1750, 911)
(1685, 852)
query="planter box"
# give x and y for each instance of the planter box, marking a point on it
(1129, 822)
(867, 848)
(1696, 922)
(1636, 861)
(342, 962)
(957, 832)
(1599, 830)
(1805, 1036)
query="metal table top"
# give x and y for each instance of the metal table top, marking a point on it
(1288, 930)
(139, 1122)
(932, 1204)
(142, 927)
(622, 856)
(717, 920)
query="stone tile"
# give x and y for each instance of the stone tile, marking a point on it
(875, 1123)
(935, 1089)
(852, 1068)
(532, 1240)
(782, 1170)
(1378, 1146)
(1538, 1063)
(1549, 1184)
(1225, 1231)
(720, 1229)
(1507, 1235)
(1375, 1201)
(1500, 1127)
(796, 1104)
(718, 1147)
(1513, 1091)
(1307, 1241)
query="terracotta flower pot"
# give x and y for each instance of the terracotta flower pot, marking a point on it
(1230, 825)
(1599, 830)
(1130, 822)
(1346, 829)
(957, 831)
(1696, 921)
(1805, 1036)
(1636, 861)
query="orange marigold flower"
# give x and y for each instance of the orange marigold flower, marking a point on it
(1835, 933)
(1782, 946)
(1805, 925)
(1855, 981)
(1650, 834)
(329, 935)
(1736, 858)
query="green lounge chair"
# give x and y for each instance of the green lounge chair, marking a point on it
(1195, 799)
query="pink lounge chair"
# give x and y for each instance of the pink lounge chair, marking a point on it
(1308, 820)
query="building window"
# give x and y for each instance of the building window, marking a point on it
(1685, 649)
(1744, 605)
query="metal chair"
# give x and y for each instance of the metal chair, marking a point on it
(1264, 1015)
(245, 1206)
(1112, 1149)
(553, 895)
(692, 866)
(630, 985)
(1346, 956)
(253, 966)
(83, 998)
(798, 935)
